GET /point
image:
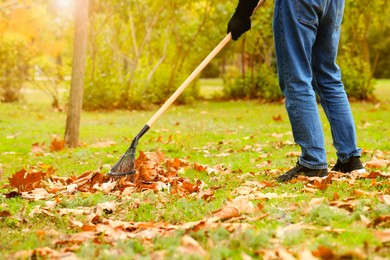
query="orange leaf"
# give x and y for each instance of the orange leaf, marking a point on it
(57, 145)
(324, 253)
(277, 118)
(25, 181)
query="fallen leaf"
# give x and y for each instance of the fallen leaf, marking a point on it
(106, 208)
(383, 235)
(43, 253)
(324, 253)
(226, 213)
(377, 163)
(4, 214)
(37, 148)
(380, 220)
(349, 206)
(57, 145)
(190, 246)
(365, 220)
(207, 195)
(36, 194)
(316, 201)
(25, 181)
(243, 204)
(103, 144)
(293, 154)
(277, 118)
(386, 199)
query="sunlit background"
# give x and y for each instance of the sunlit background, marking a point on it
(63, 4)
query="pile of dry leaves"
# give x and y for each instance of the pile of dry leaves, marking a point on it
(157, 173)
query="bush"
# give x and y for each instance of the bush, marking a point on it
(356, 76)
(159, 89)
(101, 93)
(263, 85)
(14, 57)
(106, 91)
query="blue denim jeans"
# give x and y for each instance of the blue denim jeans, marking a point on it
(307, 34)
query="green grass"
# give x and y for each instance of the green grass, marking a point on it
(240, 135)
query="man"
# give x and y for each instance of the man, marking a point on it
(306, 35)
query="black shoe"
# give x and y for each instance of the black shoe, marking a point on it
(302, 170)
(354, 164)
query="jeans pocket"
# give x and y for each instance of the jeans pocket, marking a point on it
(306, 11)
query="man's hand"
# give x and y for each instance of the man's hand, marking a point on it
(238, 25)
(240, 22)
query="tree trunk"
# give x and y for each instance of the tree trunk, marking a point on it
(78, 71)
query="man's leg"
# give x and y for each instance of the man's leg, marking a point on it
(295, 28)
(328, 82)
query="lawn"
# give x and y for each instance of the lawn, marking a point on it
(220, 200)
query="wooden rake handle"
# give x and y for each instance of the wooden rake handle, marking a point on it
(190, 78)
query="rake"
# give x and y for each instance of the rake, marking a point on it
(126, 165)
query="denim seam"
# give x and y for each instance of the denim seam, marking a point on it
(339, 16)
(305, 164)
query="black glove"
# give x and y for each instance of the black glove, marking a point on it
(240, 22)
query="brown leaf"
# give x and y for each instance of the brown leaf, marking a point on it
(359, 193)
(4, 214)
(106, 208)
(336, 196)
(277, 118)
(191, 188)
(380, 220)
(57, 145)
(316, 201)
(207, 195)
(199, 167)
(243, 204)
(26, 181)
(324, 253)
(350, 206)
(37, 148)
(41, 253)
(369, 175)
(383, 235)
(103, 144)
(365, 220)
(97, 178)
(377, 163)
(146, 165)
(386, 199)
(293, 154)
(226, 213)
(36, 194)
(190, 246)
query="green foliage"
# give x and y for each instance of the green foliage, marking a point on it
(356, 76)
(147, 50)
(263, 85)
(140, 51)
(211, 71)
(102, 92)
(14, 56)
(244, 133)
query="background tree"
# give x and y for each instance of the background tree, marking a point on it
(140, 51)
(78, 71)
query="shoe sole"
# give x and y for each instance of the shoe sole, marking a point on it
(359, 171)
